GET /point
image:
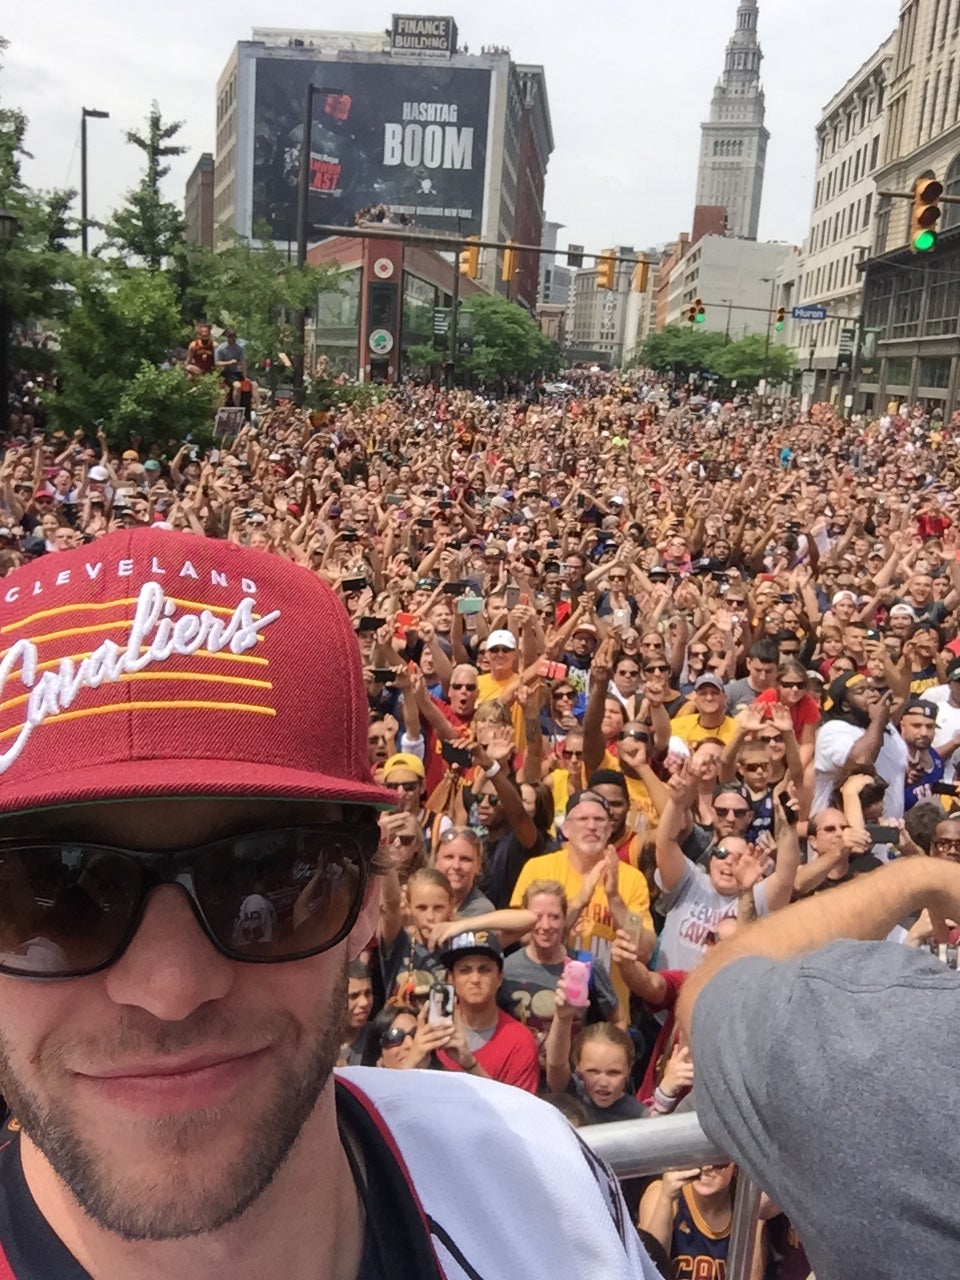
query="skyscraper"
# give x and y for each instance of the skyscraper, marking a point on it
(733, 148)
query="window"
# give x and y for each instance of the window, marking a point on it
(867, 205)
(933, 102)
(884, 206)
(933, 27)
(946, 96)
(875, 152)
(923, 110)
(951, 187)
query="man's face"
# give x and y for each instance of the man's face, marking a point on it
(901, 624)
(406, 788)
(616, 799)
(459, 860)
(920, 588)
(709, 700)
(946, 841)
(733, 814)
(588, 828)
(626, 676)
(918, 730)
(167, 1090)
(502, 661)
(582, 643)
(463, 692)
(723, 870)
(359, 1002)
(762, 674)
(476, 980)
(831, 829)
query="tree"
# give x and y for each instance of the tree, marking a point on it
(256, 291)
(506, 342)
(111, 356)
(682, 349)
(148, 228)
(747, 361)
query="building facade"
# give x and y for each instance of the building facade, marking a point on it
(598, 316)
(849, 139)
(736, 280)
(555, 278)
(911, 305)
(198, 203)
(446, 140)
(733, 144)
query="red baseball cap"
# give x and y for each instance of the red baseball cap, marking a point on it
(153, 664)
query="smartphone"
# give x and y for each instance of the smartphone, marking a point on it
(370, 624)
(883, 835)
(394, 499)
(423, 522)
(405, 622)
(634, 927)
(456, 755)
(444, 504)
(470, 604)
(349, 535)
(354, 584)
(441, 1000)
(455, 588)
(944, 788)
(786, 597)
(512, 596)
(384, 675)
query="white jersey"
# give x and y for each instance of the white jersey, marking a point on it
(506, 1186)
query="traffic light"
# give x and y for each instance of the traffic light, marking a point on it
(641, 276)
(697, 313)
(607, 269)
(509, 267)
(925, 214)
(781, 319)
(470, 259)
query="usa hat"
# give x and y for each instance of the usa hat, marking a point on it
(472, 942)
(153, 663)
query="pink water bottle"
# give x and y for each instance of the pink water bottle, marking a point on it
(576, 982)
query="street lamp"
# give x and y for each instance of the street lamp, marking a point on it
(303, 204)
(86, 113)
(9, 230)
(772, 282)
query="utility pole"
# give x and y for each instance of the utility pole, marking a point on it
(86, 113)
(454, 322)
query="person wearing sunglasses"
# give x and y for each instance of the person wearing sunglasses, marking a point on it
(502, 655)
(791, 692)
(174, 741)
(695, 898)
(390, 1037)
(709, 718)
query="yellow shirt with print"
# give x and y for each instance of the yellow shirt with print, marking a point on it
(597, 930)
(488, 688)
(690, 730)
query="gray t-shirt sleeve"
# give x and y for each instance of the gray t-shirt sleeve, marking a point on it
(807, 1072)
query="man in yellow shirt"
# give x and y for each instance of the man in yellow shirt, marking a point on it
(711, 719)
(501, 651)
(604, 889)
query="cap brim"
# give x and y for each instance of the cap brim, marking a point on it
(448, 957)
(183, 779)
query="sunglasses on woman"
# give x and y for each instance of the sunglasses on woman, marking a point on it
(395, 1037)
(69, 908)
(409, 787)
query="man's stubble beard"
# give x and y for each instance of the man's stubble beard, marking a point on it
(158, 1209)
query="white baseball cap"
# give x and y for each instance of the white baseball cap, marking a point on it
(505, 638)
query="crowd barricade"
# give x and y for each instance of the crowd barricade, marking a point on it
(644, 1148)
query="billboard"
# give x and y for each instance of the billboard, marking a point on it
(412, 138)
(426, 34)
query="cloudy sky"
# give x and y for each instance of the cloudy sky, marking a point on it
(629, 82)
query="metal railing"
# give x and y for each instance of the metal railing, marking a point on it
(641, 1148)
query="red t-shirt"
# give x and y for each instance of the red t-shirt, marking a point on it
(510, 1055)
(674, 979)
(434, 763)
(803, 712)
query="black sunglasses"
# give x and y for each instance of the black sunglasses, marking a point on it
(722, 853)
(69, 908)
(636, 734)
(728, 811)
(396, 1036)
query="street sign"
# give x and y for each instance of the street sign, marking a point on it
(809, 313)
(441, 321)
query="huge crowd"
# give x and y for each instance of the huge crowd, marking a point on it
(642, 665)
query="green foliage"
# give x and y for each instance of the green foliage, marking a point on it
(507, 341)
(125, 316)
(256, 291)
(164, 406)
(148, 228)
(681, 349)
(748, 360)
